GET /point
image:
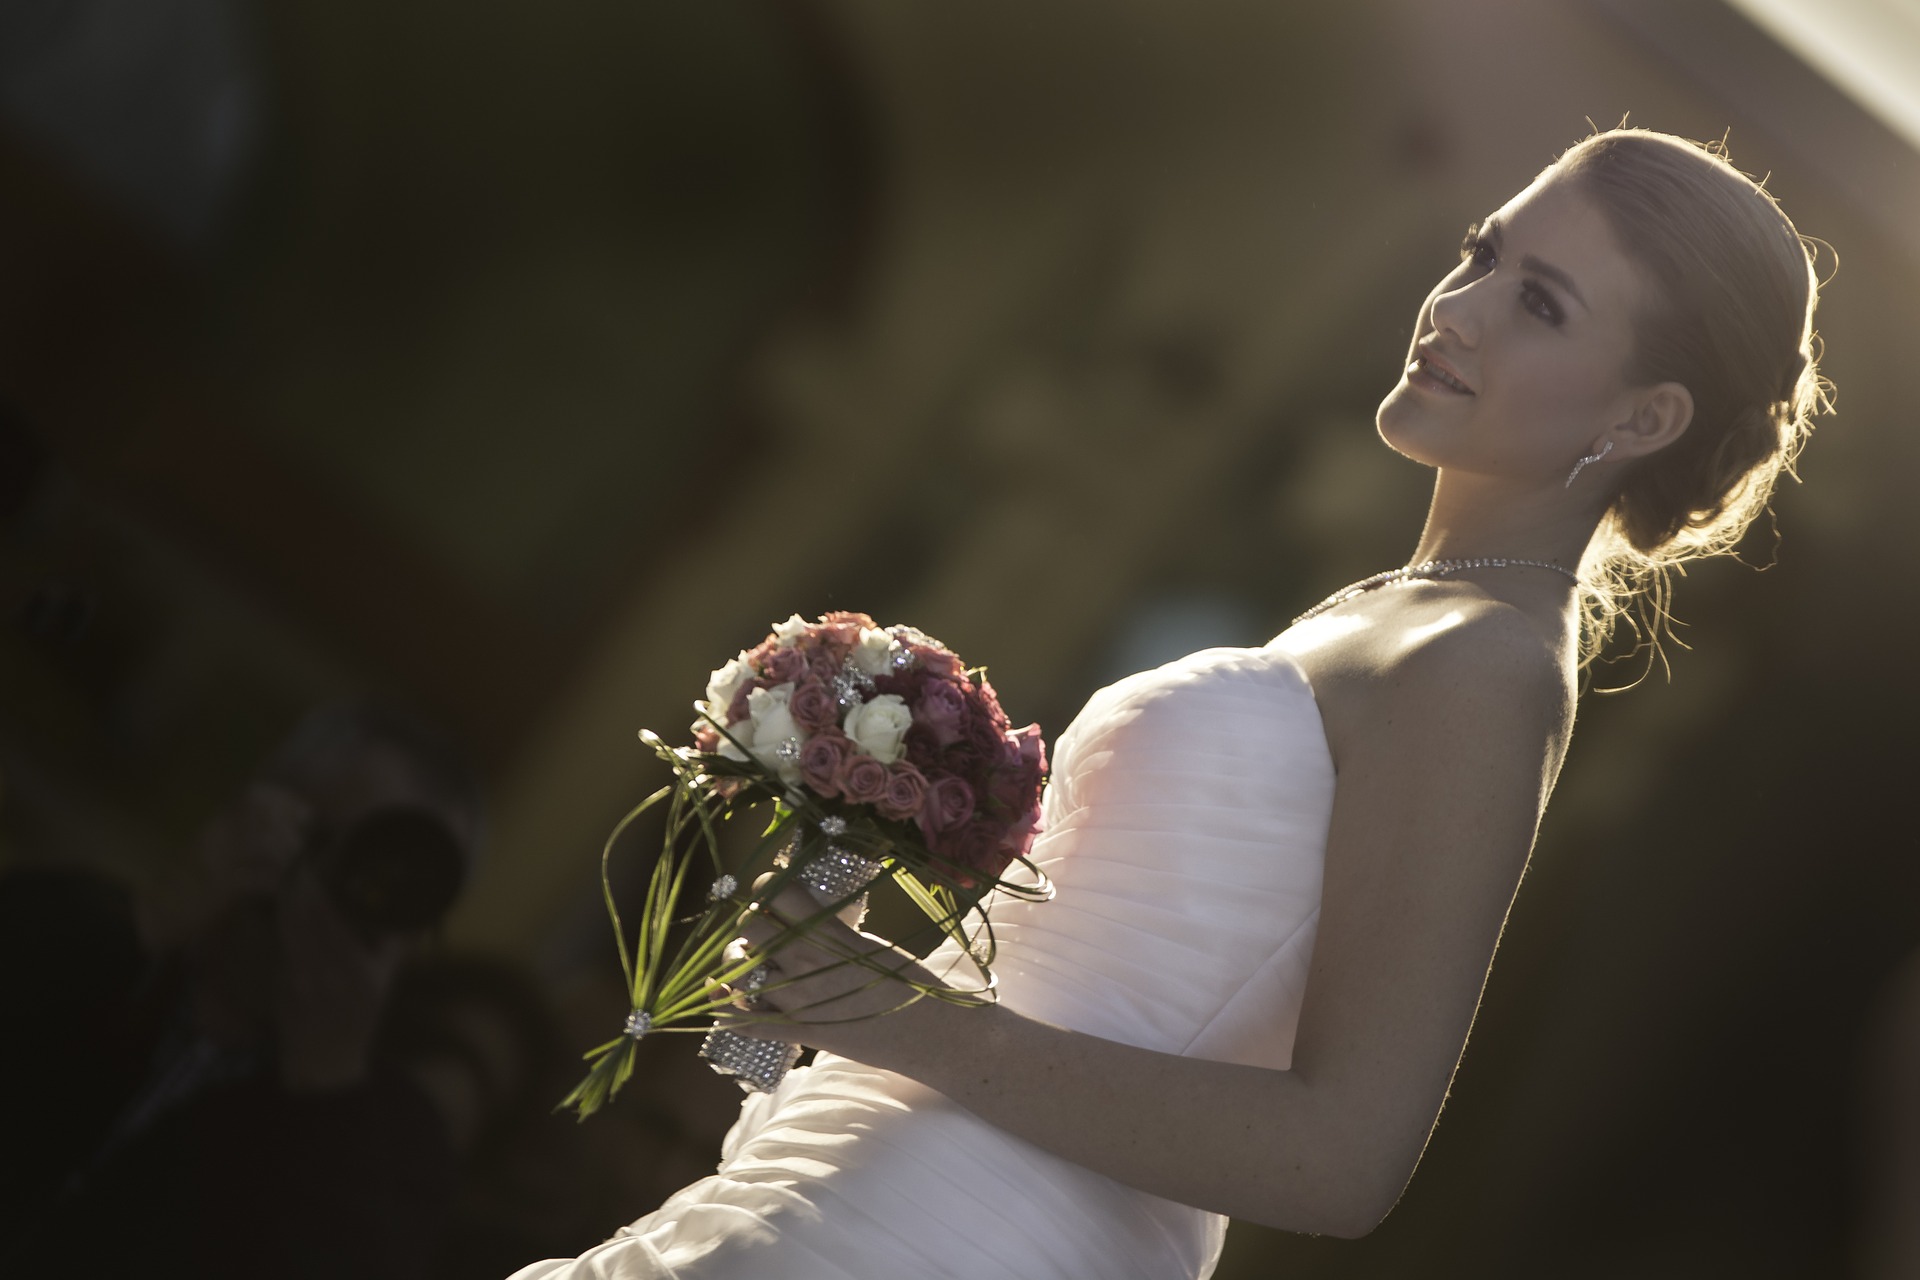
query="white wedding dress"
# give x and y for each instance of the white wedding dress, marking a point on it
(1186, 831)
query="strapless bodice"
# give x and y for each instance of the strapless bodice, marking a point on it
(1185, 831)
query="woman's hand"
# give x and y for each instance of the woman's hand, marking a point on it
(816, 992)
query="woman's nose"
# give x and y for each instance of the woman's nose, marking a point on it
(1454, 312)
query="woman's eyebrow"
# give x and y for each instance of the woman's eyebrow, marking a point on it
(1491, 230)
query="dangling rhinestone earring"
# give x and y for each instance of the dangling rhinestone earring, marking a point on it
(1605, 449)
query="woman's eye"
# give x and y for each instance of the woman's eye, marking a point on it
(1475, 248)
(1480, 252)
(1540, 303)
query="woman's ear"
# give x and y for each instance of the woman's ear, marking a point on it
(1661, 415)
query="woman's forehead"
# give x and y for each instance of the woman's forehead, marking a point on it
(1554, 221)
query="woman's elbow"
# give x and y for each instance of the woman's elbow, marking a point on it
(1348, 1218)
(1347, 1199)
(1375, 1184)
(1359, 1220)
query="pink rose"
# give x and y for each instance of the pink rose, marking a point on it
(862, 779)
(942, 708)
(938, 662)
(705, 737)
(783, 665)
(1033, 748)
(822, 757)
(738, 710)
(906, 791)
(949, 804)
(1011, 756)
(1019, 838)
(813, 707)
(840, 631)
(824, 664)
(1013, 786)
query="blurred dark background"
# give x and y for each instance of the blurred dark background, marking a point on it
(518, 364)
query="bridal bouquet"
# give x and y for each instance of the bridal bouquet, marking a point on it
(874, 752)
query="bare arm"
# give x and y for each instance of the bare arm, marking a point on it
(1443, 769)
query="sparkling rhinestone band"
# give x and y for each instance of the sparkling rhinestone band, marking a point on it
(750, 986)
(835, 873)
(757, 1066)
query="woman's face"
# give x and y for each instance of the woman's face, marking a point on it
(1518, 361)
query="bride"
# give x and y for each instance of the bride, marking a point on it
(1282, 872)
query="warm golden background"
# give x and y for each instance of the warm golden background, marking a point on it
(523, 362)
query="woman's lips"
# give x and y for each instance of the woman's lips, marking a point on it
(1428, 371)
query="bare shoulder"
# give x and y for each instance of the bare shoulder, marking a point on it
(1451, 663)
(1480, 651)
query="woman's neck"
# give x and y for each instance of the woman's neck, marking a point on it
(1476, 516)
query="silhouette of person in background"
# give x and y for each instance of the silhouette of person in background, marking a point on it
(192, 1086)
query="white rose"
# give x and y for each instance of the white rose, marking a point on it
(773, 728)
(724, 685)
(872, 654)
(741, 733)
(879, 727)
(788, 633)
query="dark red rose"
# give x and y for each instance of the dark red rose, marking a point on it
(986, 698)
(1011, 793)
(783, 665)
(942, 707)
(963, 758)
(975, 846)
(813, 707)
(906, 791)
(923, 749)
(822, 759)
(949, 804)
(824, 664)
(862, 779)
(987, 741)
(907, 684)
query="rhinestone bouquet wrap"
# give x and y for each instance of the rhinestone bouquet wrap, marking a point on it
(877, 755)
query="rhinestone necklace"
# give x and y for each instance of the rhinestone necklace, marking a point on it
(1429, 569)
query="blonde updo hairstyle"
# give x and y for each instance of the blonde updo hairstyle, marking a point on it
(1732, 321)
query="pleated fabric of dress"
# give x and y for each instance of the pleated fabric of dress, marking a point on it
(1185, 832)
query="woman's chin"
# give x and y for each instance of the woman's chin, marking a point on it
(1398, 425)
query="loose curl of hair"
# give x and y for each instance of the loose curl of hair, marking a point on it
(1731, 319)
